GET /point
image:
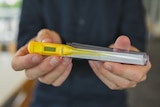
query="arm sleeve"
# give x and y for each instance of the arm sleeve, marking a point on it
(31, 21)
(133, 23)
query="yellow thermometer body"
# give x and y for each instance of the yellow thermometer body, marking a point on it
(49, 48)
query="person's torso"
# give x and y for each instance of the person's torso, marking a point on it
(84, 21)
(93, 22)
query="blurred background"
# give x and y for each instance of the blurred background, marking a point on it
(15, 89)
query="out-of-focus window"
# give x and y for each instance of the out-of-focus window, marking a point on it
(153, 16)
(9, 20)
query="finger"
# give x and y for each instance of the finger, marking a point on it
(22, 60)
(96, 68)
(22, 51)
(122, 42)
(107, 82)
(120, 82)
(63, 77)
(50, 77)
(47, 65)
(111, 80)
(131, 72)
(46, 35)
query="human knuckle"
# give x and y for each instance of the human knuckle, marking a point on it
(56, 84)
(45, 69)
(144, 78)
(45, 80)
(133, 86)
(112, 87)
(138, 78)
(124, 85)
(29, 76)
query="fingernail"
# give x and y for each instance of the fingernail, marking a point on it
(53, 61)
(108, 67)
(35, 59)
(66, 60)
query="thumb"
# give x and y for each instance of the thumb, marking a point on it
(46, 35)
(122, 42)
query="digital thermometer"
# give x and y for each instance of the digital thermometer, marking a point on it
(82, 51)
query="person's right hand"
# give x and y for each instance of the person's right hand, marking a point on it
(49, 70)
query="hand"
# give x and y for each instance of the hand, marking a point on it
(50, 70)
(120, 76)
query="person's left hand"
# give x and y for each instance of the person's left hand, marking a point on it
(117, 75)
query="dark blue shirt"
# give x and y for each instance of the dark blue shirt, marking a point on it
(94, 22)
